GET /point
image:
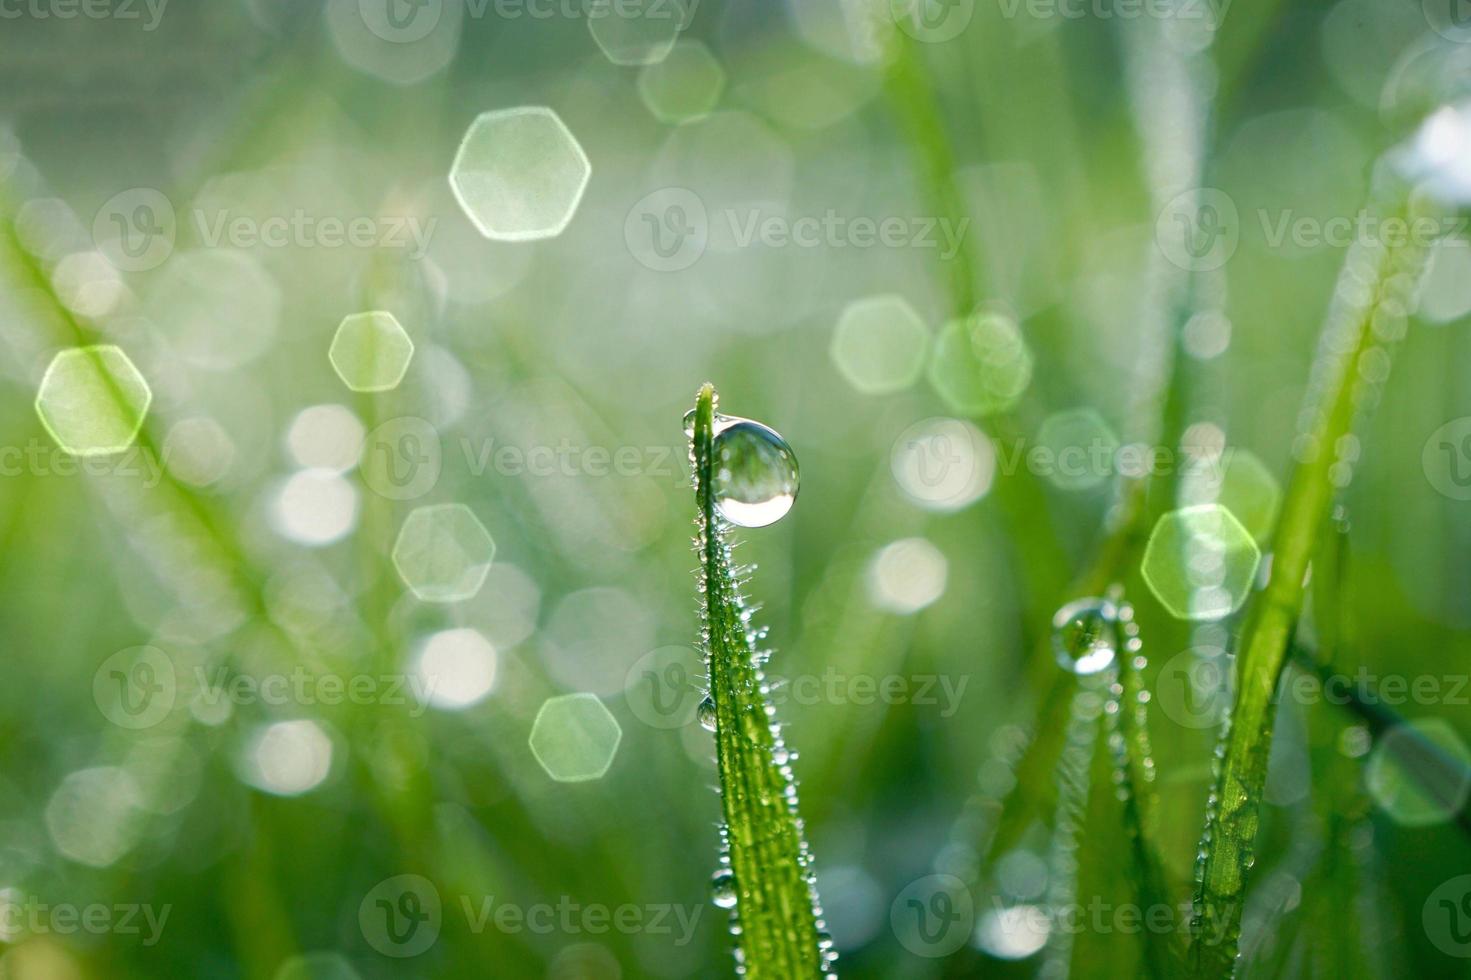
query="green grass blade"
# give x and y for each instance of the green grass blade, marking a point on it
(1377, 282)
(776, 901)
(1134, 774)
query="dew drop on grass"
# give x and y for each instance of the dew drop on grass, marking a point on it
(722, 889)
(755, 479)
(1085, 637)
(707, 714)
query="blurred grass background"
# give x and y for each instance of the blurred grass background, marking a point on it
(1059, 138)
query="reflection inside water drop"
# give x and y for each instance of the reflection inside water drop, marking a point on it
(1084, 636)
(722, 889)
(755, 473)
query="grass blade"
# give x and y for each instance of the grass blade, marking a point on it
(770, 869)
(1377, 286)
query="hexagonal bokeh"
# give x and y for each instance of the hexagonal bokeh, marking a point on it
(635, 32)
(880, 344)
(1080, 449)
(980, 365)
(1200, 562)
(685, 86)
(1418, 773)
(443, 553)
(1240, 481)
(575, 737)
(519, 174)
(371, 351)
(92, 400)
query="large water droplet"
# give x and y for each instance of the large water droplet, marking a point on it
(722, 889)
(755, 473)
(1084, 636)
(707, 714)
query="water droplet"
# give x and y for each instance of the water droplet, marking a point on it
(707, 714)
(722, 889)
(755, 473)
(1084, 638)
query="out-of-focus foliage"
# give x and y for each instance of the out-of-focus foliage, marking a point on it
(266, 717)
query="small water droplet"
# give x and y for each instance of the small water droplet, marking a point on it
(689, 424)
(755, 473)
(707, 714)
(722, 889)
(1084, 636)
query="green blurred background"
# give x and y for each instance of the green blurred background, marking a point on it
(1054, 137)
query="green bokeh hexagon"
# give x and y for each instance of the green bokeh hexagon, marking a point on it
(93, 400)
(371, 351)
(575, 737)
(443, 553)
(1200, 562)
